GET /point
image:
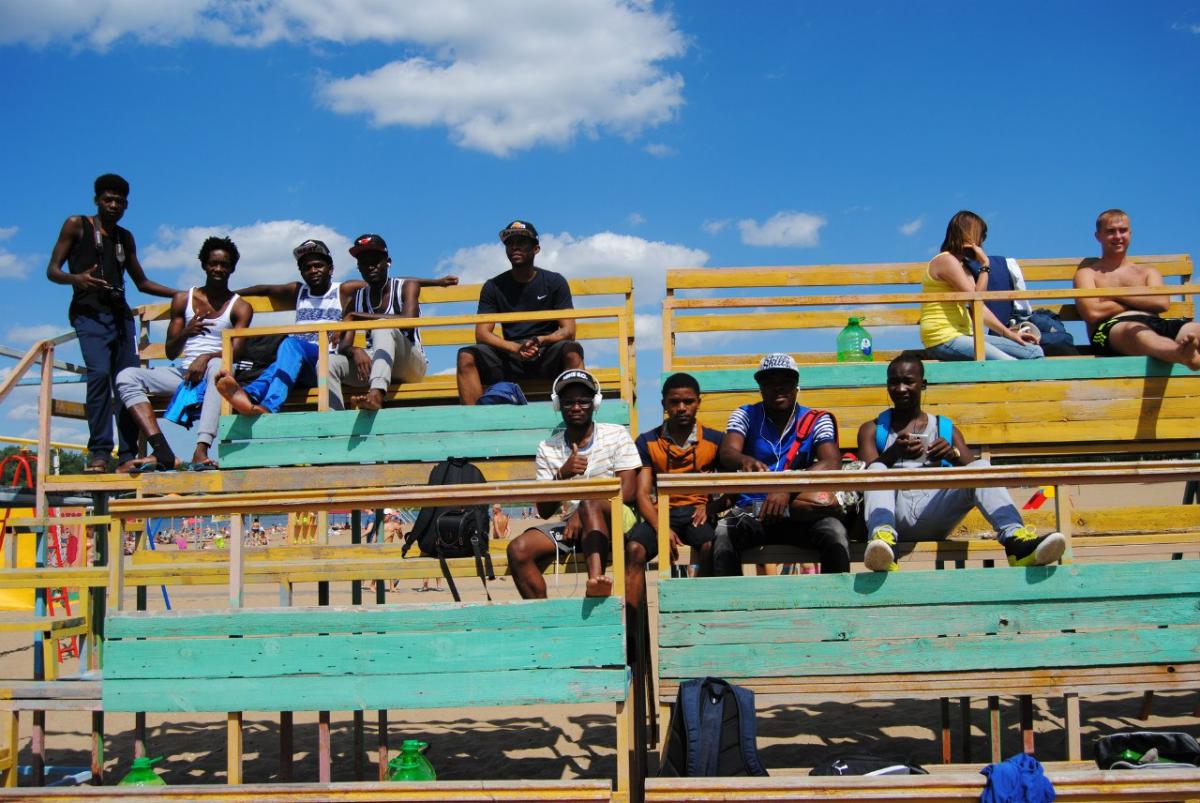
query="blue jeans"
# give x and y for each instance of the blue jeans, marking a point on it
(109, 345)
(295, 363)
(994, 348)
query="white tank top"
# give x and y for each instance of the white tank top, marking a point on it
(362, 303)
(318, 309)
(210, 341)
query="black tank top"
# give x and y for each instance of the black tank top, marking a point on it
(112, 261)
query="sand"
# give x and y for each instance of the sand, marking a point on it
(563, 742)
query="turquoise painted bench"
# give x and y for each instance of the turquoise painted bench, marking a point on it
(395, 435)
(1047, 631)
(395, 657)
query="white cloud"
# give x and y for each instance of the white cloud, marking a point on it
(502, 75)
(265, 248)
(660, 150)
(1184, 26)
(912, 227)
(31, 334)
(636, 219)
(22, 412)
(13, 266)
(647, 330)
(603, 254)
(716, 226)
(783, 229)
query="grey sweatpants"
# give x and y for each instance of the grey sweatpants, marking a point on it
(135, 384)
(393, 358)
(921, 514)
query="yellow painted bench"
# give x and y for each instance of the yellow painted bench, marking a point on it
(455, 306)
(708, 306)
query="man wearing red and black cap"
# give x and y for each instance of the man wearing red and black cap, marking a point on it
(524, 350)
(391, 354)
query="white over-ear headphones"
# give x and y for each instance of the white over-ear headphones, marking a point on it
(557, 405)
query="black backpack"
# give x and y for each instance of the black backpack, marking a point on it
(1142, 750)
(713, 732)
(257, 355)
(454, 532)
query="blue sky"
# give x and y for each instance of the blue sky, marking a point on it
(635, 135)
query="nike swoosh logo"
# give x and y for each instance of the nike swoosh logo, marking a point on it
(542, 298)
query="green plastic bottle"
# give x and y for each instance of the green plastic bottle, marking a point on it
(854, 344)
(411, 764)
(143, 773)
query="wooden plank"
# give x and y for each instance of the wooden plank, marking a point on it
(572, 791)
(1061, 269)
(958, 654)
(348, 476)
(407, 421)
(494, 617)
(341, 693)
(953, 618)
(915, 590)
(369, 498)
(362, 654)
(384, 448)
(1079, 785)
(875, 374)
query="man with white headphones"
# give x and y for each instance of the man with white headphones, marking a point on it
(581, 448)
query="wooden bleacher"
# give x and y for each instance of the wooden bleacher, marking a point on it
(882, 635)
(611, 322)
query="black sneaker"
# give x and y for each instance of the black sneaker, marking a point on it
(1026, 548)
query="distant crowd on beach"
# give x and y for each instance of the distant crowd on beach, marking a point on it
(94, 256)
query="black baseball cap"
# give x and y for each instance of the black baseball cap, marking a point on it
(368, 242)
(311, 248)
(575, 376)
(518, 228)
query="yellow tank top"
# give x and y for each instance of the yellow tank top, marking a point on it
(941, 321)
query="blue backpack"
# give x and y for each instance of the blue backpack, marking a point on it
(883, 425)
(713, 732)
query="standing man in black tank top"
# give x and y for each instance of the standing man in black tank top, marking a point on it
(99, 254)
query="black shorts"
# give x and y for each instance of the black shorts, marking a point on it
(501, 366)
(1167, 327)
(681, 522)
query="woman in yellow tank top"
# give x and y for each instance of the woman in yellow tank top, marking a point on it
(946, 326)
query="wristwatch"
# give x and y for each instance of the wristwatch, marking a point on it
(985, 268)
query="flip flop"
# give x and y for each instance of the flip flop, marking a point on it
(205, 465)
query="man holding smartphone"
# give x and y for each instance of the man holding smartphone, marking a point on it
(526, 349)
(905, 436)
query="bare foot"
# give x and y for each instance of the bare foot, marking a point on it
(137, 462)
(1188, 344)
(599, 586)
(228, 387)
(372, 401)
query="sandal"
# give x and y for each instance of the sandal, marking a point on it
(98, 465)
(205, 465)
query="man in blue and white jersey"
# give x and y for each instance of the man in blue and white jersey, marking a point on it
(777, 434)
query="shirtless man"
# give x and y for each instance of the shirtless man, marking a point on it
(1132, 324)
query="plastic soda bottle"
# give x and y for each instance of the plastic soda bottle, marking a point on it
(143, 773)
(854, 344)
(411, 764)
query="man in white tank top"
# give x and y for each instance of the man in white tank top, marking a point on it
(317, 299)
(391, 355)
(193, 339)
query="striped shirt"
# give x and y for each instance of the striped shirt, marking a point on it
(319, 309)
(609, 451)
